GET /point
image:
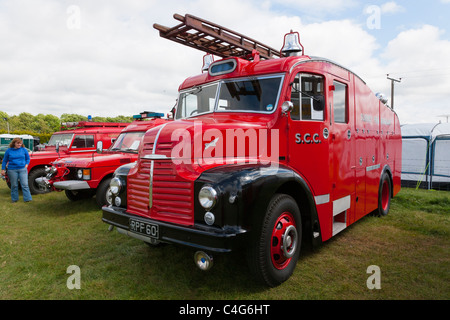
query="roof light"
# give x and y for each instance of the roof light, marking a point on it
(292, 45)
(381, 97)
(208, 59)
(148, 114)
(222, 67)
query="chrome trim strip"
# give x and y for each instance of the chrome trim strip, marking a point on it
(79, 151)
(319, 59)
(153, 157)
(374, 167)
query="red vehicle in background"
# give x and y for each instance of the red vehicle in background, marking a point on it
(80, 139)
(268, 150)
(83, 177)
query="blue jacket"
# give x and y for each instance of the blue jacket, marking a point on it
(16, 158)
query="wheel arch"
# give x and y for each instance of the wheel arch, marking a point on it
(301, 193)
(254, 187)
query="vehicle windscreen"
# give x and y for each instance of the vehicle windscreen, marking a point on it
(128, 142)
(196, 101)
(60, 139)
(258, 94)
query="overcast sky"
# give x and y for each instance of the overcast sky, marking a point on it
(104, 58)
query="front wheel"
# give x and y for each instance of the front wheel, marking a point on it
(104, 195)
(76, 195)
(275, 244)
(32, 176)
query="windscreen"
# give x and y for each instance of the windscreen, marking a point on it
(257, 94)
(128, 142)
(61, 139)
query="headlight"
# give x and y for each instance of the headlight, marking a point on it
(84, 174)
(207, 197)
(115, 186)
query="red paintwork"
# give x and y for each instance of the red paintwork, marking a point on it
(345, 166)
(104, 164)
(101, 133)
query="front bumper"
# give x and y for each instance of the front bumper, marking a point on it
(200, 237)
(71, 185)
(43, 183)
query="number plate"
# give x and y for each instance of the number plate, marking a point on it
(148, 229)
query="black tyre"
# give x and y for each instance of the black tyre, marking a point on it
(104, 195)
(32, 176)
(384, 195)
(275, 243)
(76, 195)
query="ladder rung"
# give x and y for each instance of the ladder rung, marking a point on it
(213, 38)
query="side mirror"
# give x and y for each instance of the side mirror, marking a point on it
(287, 107)
(319, 103)
(99, 146)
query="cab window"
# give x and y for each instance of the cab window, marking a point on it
(307, 95)
(83, 141)
(340, 102)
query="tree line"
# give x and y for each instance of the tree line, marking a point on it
(43, 126)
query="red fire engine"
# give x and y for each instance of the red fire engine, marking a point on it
(79, 139)
(268, 150)
(83, 177)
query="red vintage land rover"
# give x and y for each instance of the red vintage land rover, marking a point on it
(80, 139)
(83, 177)
(268, 150)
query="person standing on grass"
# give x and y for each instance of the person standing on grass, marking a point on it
(17, 160)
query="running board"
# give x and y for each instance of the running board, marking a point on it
(340, 207)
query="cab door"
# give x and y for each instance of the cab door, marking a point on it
(308, 140)
(83, 143)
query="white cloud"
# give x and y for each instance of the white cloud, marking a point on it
(391, 7)
(318, 6)
(116, 63)
(420, 57)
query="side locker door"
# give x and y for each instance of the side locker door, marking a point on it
(342, 153)
(360, 152)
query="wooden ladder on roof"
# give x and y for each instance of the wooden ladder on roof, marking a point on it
(214, 39)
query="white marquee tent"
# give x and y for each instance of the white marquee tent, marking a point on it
(426, 155)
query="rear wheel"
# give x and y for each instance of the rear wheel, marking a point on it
(275, 245)
(384, 195)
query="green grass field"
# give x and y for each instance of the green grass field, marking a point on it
(41, 239)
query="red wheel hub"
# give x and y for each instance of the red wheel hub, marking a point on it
(284, 240)
(385, 195)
